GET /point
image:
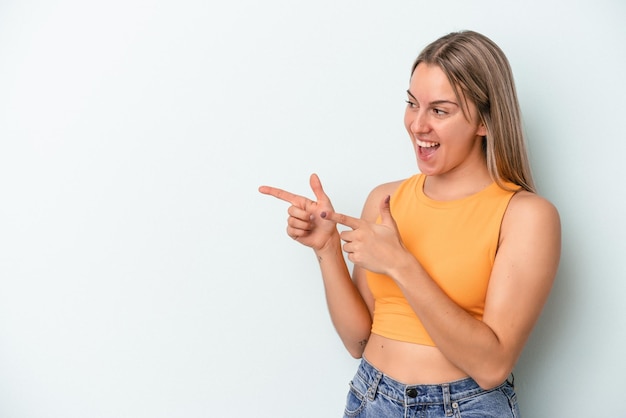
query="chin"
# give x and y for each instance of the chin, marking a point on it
(426, 168)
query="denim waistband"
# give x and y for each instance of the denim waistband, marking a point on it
(444, 393)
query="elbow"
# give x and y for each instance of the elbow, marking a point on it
(356, 352)
(356, 355)
(488, 383)
(491, 378)
(356, 349)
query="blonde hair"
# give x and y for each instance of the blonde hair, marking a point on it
(477, 67)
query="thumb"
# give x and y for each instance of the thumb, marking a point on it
(385, 213)
(316, 186)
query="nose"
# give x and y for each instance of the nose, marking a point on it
(418, 122)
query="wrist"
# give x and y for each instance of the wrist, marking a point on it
(331, 247)
(405, 268)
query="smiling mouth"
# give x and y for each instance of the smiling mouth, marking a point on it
(426, 149)
(426, 144)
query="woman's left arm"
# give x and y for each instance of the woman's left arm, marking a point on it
(523, 273)
(524, 270)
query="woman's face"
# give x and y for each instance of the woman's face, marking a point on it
(445, 141)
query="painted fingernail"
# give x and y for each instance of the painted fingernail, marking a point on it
(387, 199)
(323, 215)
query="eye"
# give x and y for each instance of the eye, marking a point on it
(410, 104)
(439, 112)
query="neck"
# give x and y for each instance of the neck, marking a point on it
(457, 185)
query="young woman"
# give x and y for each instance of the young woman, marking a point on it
(453, 265)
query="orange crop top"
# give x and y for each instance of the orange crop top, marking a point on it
(456, 243)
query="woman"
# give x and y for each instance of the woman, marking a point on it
(452, 266)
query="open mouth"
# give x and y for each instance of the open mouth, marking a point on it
(426, 144)
(426, 148)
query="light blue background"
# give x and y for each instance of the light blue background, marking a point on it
(142, 275)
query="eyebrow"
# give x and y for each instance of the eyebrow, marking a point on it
(436, 102)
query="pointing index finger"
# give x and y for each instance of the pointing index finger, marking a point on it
(281, 194)
(342, 219)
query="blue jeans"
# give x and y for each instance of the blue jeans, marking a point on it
(373, 394)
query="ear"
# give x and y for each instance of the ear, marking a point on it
(482, 129)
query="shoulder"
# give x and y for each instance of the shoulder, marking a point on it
(385, 189)
(529, 213)
(527, 204)
(371, 209)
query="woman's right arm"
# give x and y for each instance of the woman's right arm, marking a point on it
(354, 329)
(348, 309)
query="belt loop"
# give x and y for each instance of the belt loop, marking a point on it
(371, 392)
(447, 404)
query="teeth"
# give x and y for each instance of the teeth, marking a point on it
(425, 144)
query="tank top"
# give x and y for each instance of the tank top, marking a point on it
(454, 241)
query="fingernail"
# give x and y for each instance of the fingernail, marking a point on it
(387, 199)
(323, 215)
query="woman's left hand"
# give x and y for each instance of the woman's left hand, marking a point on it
(372, 246)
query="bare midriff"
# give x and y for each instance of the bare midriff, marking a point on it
(411, 364)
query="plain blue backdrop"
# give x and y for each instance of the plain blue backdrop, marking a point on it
(141, 273)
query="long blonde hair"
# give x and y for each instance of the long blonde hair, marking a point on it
(477, 67)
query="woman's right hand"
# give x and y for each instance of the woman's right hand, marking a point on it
(305, 223)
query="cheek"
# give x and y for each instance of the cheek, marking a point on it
(463, 130)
